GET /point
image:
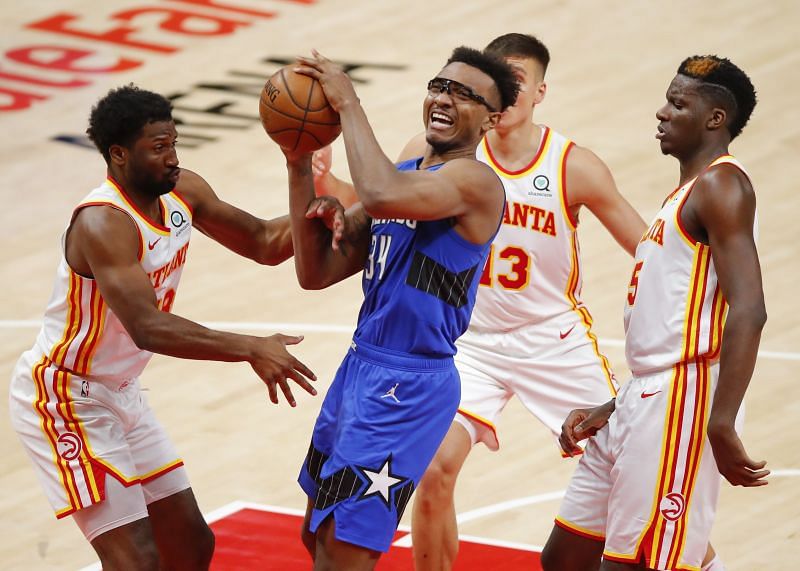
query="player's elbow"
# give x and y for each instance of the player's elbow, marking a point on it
(377, 204)
(377, 197)
(142, 337)
(145, 331)
(754, 314)
(759, 316)
(310, 280)
(273, 259)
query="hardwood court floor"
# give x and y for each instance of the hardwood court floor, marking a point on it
(611, 64)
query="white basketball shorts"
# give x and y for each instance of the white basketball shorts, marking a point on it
(552, 367)
(79, 431)
(647, 483)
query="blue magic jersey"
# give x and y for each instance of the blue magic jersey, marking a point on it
(419, 282)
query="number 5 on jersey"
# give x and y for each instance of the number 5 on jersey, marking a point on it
(634, 282)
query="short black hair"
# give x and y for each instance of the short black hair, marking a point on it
(726, 85)
(501, 73)
(119, 117)
(520, 45)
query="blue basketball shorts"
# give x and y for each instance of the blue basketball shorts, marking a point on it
(380, 425)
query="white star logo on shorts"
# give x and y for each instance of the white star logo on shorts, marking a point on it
(380, 482)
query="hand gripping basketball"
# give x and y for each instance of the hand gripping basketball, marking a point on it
(295, 112)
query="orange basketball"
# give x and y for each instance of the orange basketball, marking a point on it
(295, 112)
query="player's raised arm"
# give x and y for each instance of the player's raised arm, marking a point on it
(316, 263)
(328, 184)
(456, 190)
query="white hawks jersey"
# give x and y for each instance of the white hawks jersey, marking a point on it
(533, 271)
(674, 311)
(79, 333)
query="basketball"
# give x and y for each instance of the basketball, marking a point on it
(295, 113)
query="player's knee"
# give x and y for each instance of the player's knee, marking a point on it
(437, 485)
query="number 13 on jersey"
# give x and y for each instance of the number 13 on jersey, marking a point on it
(518, 272)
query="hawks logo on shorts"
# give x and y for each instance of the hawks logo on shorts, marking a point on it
(69, 445)
(672, 506)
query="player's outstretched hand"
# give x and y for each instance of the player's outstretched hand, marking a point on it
(335, 83)
(582, 423)
(331, 212)
(275, 365)
(732, 459)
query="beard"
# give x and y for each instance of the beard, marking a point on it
(151, 186)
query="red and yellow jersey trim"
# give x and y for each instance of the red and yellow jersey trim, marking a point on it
(63, 407)
(480, 420)
(503, 172)
(74, 324)
(578, 530)
(652, 540)
(694, 303)
(684, 233)
(97, 319)
(182, 200)
(621, 557)
(155, 226)
(697, 439)
(719, 310)
(91, 469)
(571, 294)
(140, 253)
(572, 222)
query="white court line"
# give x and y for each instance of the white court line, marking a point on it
(347, 329)
(494, 509)
(235, 325)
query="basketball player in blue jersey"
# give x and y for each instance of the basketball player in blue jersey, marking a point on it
(420, 233)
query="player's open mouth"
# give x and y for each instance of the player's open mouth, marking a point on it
(440, 119)
(660, 132)
(174, 175)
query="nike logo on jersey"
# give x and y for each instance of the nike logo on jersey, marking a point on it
(563, 335)
(648, 395)
(151, 245)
